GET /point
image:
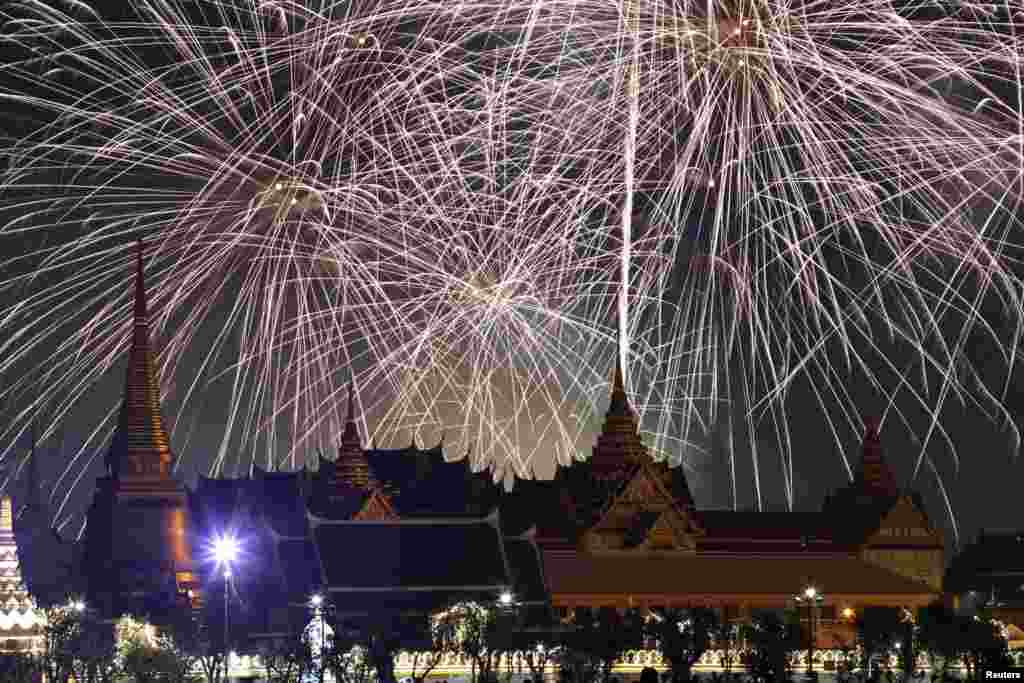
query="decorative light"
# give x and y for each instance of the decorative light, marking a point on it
(810, 592)
(848, 613)
(78, 606)
(506, 598)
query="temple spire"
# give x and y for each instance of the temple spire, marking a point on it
(350, 436)
(619, 404)
(140, 448)
(352, 468)
(874, 476)
(618, 444)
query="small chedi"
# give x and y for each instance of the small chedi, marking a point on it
(20, 621)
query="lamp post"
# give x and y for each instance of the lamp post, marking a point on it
(225, 551)
(317, 601)
(811, 597)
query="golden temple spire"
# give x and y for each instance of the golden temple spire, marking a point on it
(619, 444)
(619, 404)
(140, 449)
(352, 467)
(874, 476)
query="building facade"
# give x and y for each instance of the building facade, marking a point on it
(621, 530)
(402, 531)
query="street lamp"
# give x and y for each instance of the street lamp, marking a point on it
(505, 598)
(811, 597)
(317, 602)
(225, 551)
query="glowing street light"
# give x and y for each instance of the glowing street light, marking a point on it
(505, 598)
(225, 552)
(811, 597)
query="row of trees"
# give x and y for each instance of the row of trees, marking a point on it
(585, 645)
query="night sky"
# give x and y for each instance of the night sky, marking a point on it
(982, 478)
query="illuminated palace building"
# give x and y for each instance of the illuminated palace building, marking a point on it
(397, 533)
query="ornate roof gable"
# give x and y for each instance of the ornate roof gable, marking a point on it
(905, 524)
(377, 507)
(645, 515)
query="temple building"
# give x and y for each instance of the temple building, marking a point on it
(381, 535)
(621, 530)
(21, 623)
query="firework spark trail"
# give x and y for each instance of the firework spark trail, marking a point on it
(469, 211)
(337, 200)
(830, 192)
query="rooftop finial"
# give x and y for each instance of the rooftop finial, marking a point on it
(350, 435)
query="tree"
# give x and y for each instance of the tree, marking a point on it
(473, 628)
(600, 636)
(772, 640)
(19, 668)
(439, 640)
(878, 630)
(94, 656)
(287, 659)
(683, 636)
(986, 646)
(59, 630)
(938, 634)
(724, 635)
(148, 654)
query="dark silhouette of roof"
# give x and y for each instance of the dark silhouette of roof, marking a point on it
(410, 555)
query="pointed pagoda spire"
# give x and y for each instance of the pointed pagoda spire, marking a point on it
(874, 476)
(619, 444)
(140, 449)
(351, 467)
(350, 436)
(619, 405)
